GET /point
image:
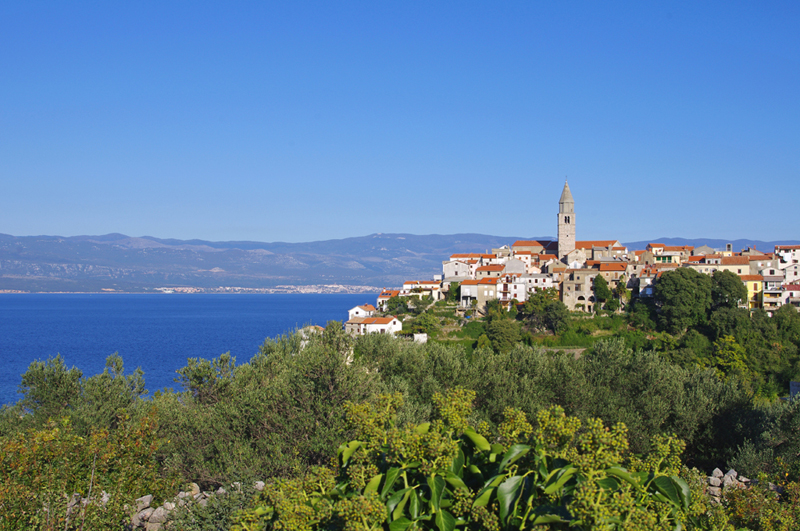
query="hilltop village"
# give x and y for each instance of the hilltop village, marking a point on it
(570, 267)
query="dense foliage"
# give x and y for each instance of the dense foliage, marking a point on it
(706, 375)
(447, 475)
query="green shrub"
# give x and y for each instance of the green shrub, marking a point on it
(216, 515)
(447, 475)
(40, 469)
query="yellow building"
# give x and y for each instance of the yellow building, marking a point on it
(755, 290)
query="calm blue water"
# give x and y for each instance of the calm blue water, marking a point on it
(155, 332)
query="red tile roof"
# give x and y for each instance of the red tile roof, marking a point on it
(613, 266)
(389, 294)
(378, 320)
(491, 268)
(735, 260)
(751, 277)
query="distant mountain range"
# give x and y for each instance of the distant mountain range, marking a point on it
(124, 263)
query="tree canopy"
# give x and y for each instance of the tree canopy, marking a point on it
(728, 291)
(684, 297)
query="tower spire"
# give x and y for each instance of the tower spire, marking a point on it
(566, 222)
(566, 199)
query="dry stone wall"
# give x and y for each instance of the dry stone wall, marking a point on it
(153, 518)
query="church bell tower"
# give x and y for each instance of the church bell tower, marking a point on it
(566, 223)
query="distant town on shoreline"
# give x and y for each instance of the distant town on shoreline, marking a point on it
(578, 271)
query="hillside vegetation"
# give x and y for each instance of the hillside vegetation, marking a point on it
(487, 426)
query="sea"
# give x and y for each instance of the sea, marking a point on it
(157, 332)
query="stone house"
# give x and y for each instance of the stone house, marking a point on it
(479, 290)
(489, 271)
(576, 289)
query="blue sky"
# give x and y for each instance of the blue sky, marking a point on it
(299, 121)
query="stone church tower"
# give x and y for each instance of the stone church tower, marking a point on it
(566, 223)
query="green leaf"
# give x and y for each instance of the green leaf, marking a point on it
(347, 451)
(373, 484)
(660, 497)
(666, 487)
(415, 505)
(637, 479)
(684, 492)
(483, 497)
(507, 494)
(436, 484)
(547, 519)
(609, 483)
(478, 440)
(494, 480)
(397, 502)
(513, 453)
(550, 514)
(496, 449)
(445, 521)
(422, 428)
(455, 481)
(458, 463)
(391, 476)
(561, 478)
(619, 472)
(401, 524)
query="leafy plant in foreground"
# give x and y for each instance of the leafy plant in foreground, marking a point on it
(447, 475)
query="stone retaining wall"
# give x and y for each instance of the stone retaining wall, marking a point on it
(719, 483)
(152, 518)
